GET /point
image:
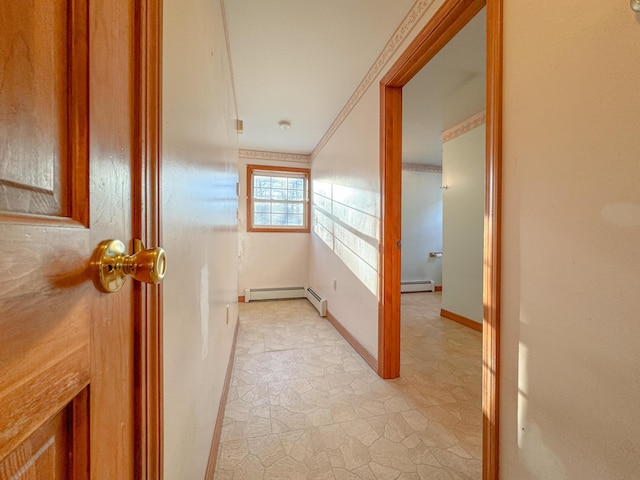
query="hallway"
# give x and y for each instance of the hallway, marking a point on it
(304, 405)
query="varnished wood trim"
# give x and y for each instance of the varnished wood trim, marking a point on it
(357, 346)
(449, 19)
(79, 448)
(241, 299)
(146, 217)
(306, 172)
(467, 322)
(492, 245)
(443, 26)
(391, 199)
(77, 141)
(217, 433)
(438, 288)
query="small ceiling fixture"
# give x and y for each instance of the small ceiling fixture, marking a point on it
(284, 125)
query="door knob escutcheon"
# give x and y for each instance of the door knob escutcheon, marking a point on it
(113, 265)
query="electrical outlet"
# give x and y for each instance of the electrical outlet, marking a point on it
(335, 284)
(227, 314)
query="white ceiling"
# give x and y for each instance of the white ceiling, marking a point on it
(448, 90)
(301, 60)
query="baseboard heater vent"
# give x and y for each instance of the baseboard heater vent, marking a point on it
(273, 293)
(317, 301)
(254, 294)
(421, 286)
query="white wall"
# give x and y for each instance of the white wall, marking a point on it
(199, 174)
(269, 259)
(421, 226)
(463, 223)
(350, 161)
(570, 333)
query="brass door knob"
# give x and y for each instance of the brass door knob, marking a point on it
(113, 265)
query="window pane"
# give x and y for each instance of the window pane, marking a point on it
(278, 194)
(279, 207)
(262, 207)
(279, 219)
(262, 182)
(278, 182)
(262, 193)
(278, 200)
(295, 195)
(262, 219)
(295, 220)
(295, 208)
(296, 183)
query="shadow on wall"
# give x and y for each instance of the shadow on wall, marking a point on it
(347, 220)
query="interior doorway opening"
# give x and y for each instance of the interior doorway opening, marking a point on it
(442, 27)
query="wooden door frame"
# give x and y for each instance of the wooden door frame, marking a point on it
(443, 26)
(146, 226)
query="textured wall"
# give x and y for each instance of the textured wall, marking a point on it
(462, 224)
(571, 229)
(199, 174)
(270, 259)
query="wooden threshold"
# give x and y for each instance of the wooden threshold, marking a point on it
(357, 346)
(467, 322)
(438, 288)
(217, 432)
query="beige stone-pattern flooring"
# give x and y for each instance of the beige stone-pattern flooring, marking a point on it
(303, 405)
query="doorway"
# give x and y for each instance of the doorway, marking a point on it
(442, 27)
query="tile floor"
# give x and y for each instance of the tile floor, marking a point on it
(303, 405)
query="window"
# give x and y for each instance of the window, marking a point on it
(278, 199)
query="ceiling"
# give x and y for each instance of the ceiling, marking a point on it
(447, 91)
(301, 60)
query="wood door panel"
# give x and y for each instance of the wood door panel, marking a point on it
(44, 456)
(58, 450)
(33, 69)
(35, 401)
(43, 66)
(68, 141)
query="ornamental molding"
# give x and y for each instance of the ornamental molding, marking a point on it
(273, 156)
(419, 167)
(399, 36)
(464, 126)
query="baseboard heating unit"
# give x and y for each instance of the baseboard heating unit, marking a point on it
(317, 301)
(420, 286)
(320, 303)
(274, 293)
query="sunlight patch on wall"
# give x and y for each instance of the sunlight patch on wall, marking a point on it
(348, 222)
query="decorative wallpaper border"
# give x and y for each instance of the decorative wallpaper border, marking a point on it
(401, 33)
(464, 126)
(273, 156)
(419, 167)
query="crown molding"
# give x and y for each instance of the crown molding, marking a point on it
(419, 167)
(273, 156)
(464, 126)
(399, 36)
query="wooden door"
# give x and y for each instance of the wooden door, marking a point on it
(67, 147)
